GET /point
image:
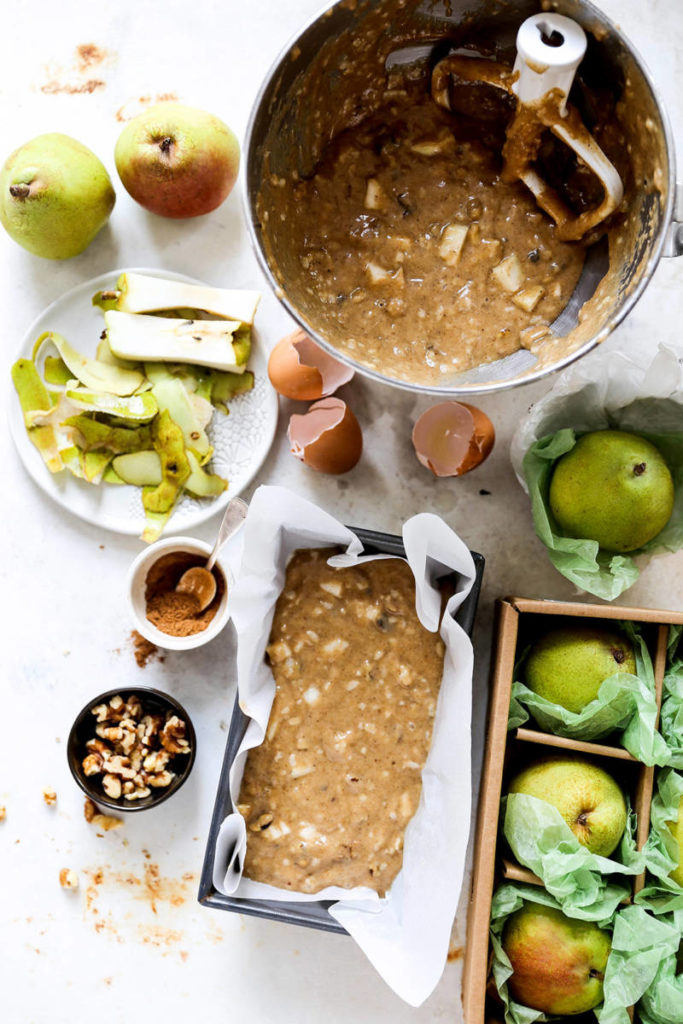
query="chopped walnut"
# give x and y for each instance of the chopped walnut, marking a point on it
(112, 786)
(132, 750)
(68, 879)
(113, 733)
(93, 764)
(50, 797)
(89, 809)
(161, 780)
(156, 761)
(101, 713)
(133, 707)
(173, 736)
(96, 746)
(138, 793)
(106, 822)
(3, 813)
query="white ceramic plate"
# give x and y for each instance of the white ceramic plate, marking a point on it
(241, 440)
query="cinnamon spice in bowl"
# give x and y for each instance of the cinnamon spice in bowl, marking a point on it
(164, 616)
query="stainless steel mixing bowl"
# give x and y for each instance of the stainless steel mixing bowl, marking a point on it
(304, 82)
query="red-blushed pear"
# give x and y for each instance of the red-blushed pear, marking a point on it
(558, 962)
(177, 161)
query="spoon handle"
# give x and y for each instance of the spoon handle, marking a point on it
(233, 518)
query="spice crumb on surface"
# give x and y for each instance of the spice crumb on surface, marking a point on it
(3, 813)
(144, 649)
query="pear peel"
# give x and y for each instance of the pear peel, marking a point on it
(90, 372)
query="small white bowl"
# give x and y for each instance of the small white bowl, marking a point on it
(136, 586)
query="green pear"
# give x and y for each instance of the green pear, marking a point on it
(614, 488)
(587, 797)
(558, 963)
(177, 161)
(676, 830)
(55, 196)
(568, 665)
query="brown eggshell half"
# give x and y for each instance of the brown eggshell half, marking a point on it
(452, 438)
(327, 437)
(300, 369)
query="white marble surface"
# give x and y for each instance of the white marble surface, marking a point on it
(115, 956)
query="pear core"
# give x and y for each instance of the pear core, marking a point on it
(589, 800)
(614, 488)
(558, 962)
(567, 666)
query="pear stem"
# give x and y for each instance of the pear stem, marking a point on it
(19, 191)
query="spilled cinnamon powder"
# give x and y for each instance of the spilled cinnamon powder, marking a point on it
(144, 649)
(171, 612)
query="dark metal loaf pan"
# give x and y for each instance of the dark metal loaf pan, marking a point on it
(313, 914)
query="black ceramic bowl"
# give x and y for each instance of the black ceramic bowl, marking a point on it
(83, 729)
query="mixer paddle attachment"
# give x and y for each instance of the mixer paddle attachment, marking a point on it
(550, 48)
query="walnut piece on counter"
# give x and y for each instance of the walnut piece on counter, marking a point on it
(132, 749)
(106, 822)
(3, 813)
(68, 879)
(92, 815)
(50, 797)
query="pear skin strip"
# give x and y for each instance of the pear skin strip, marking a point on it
(201, 484)
(226, 385)
(94, 435)
(154, 521)
(175, 467)
(91, 372)
(56, 372)
(171, 396)
(33, 395)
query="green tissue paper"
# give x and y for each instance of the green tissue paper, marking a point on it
(582, 561)
(625, 704)
(662, 1002)
(579, 880)
(662, 894)
(641, 945)
(671, 722)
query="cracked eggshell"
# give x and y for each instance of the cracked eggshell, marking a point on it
(300, 369)
(327, 437)
(452, 438)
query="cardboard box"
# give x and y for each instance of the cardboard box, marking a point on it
(517, 620)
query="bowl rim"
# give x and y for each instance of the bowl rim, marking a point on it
(153, 800)
(148, 630)
(532, 375)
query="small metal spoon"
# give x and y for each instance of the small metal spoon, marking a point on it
(199, 582)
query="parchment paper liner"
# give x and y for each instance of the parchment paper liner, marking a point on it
(406, 934)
